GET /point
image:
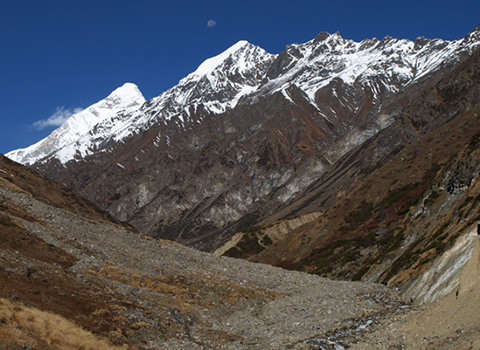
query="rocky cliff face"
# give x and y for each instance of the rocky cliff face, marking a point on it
(239, 138)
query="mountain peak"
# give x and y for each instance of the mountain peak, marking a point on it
(127, 87)
(210, 64)
(127, 92)
(125, 98)
(473, 36)
(321, 37)
(325, 36)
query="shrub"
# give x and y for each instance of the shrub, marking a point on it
(361, 214)
(267, 240)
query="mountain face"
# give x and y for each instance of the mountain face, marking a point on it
(238, 140)
(406, 201)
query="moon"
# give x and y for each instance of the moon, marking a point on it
(212, 23)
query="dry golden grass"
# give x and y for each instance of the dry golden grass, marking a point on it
(30, 326)
(141, 324)
(190, 289)
(157, 284)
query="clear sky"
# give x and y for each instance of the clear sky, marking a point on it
(57, 56)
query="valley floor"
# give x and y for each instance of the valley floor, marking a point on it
(151, 294)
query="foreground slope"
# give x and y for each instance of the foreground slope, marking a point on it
(67, 258)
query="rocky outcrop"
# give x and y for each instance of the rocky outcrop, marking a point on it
(449, 272)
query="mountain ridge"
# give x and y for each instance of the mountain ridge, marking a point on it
(297, 55)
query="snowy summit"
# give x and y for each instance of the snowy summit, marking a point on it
(125, 98)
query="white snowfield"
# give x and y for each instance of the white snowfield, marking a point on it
(241, 74)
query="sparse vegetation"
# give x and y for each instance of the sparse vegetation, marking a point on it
(248, 221)
(24, 325)
(234, 252)
(474, 143)
(431, 198)
(358, 276)
(360, 215)
(5, 221)
(266, 240)
(248, 245)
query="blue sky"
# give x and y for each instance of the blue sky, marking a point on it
(57, 56)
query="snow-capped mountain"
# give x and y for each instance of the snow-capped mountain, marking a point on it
(392, 62)
(66, 142)
(215, 86)
(245, 73)
(246, 132)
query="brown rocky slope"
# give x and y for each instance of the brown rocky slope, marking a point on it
(402, 198)
(68, 264)
(67, 268)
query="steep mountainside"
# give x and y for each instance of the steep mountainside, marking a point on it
(72, 278)
(239, 138)
(402, 199)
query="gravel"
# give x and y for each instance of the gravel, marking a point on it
(227, 303)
